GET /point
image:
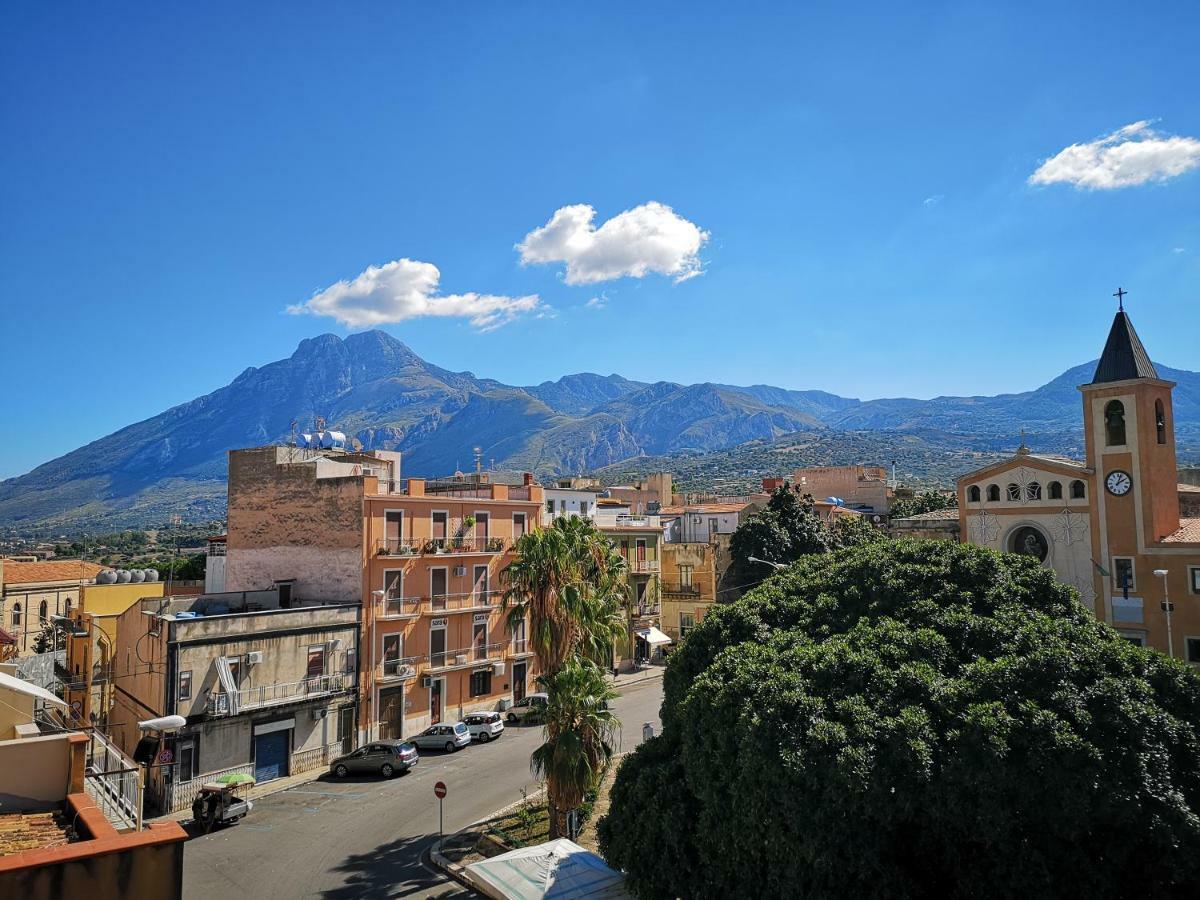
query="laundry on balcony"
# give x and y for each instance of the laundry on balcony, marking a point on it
(228, 684)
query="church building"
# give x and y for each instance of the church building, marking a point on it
(1110, 526)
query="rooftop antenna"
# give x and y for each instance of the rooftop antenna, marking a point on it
(478, 451)
(294, 426)
(320, 423)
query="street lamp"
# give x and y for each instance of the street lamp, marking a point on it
(1168, 608)
(766, 562)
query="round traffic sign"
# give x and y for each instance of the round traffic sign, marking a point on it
(439, 790)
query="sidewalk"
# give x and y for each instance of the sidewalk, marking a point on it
(635, 676)
(274, 786)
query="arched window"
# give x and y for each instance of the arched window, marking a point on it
(993, 493)
(1014, 491)
(67, 607)
(1033, 491)
(1056, 490)
(973, 493)
(1029, 541)
(1114, 423)
(1160, 421)
(42, 610)
(16, 614)
(1077, 490)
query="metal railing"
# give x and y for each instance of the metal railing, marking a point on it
(642, 566)
(648, 609)
(114, 782)
(468, 656)
(400, 667)
(683, 590)
(179, 795)
(275, 694)
(399, 607)
(520, 646)
(458, 602)
(398, 547)
(465, 545)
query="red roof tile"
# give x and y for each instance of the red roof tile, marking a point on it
(41, 572)
(1188, 533)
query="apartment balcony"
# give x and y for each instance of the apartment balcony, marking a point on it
(466, 658)
(398, 547)
(520, 647)
(452, 545)
(399, 669)
(475, 601)
(674, 589)
(398, 607)
(644, 610)
(643, 566)
(314, 688)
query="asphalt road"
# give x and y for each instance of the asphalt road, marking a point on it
(364, 837)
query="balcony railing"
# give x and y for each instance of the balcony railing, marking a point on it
(114, 783)
(399, 547)
(476, 600)
(648, 609)
(642, 566)
(520, 646)
(468, 656)
(680, 590)
(466, 545)
(279, 694)
(398, 669)
(399, 607)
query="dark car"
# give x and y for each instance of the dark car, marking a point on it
(388, 758)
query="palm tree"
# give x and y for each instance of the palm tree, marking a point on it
(565, 579)
(579, 731)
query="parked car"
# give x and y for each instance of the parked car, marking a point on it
(447, 736)
(388, 758)
(484, 726)
(529, 707)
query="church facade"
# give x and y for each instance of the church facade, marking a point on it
(1110, 525)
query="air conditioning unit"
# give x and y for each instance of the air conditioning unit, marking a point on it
(460, 659)
(426, 681)
(320, 713)
(498, 668)
(254, 657)
(460, 571)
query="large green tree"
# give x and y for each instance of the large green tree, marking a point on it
(579, 729)
(928, 501)
(914, 719)
(785, 530)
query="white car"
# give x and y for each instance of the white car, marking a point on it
(529, 707)
(484, 726)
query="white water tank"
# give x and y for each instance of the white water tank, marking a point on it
(122, 576)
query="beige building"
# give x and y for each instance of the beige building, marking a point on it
(266, 681)
(1110, 525)
(639, 540)
(861, 488)
(31, 591)
(689, 584)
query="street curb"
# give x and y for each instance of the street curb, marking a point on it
(459, 873)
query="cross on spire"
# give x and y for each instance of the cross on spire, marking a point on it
(1120, 295)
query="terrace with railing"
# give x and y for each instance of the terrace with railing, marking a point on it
(313, 688)
(642, 566)
(467, 656)
(114, 783)
(678, 589)
(398, 668)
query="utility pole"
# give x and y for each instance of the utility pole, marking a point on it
(1168, 607)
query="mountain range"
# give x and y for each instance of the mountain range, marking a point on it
(376, 389)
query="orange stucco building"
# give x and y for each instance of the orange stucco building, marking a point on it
(1111, 524)
(423, 557)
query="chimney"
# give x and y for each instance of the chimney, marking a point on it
(527, 479)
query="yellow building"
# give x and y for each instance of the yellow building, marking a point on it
(91, 642)
(689, 585)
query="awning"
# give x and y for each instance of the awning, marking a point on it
(555, 870)
(653, 636)
(24, 687)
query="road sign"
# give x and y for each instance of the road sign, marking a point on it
(439, 790)
(165, 756)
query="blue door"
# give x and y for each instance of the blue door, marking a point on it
(271, 755)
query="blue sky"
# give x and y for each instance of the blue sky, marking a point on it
(174, 178)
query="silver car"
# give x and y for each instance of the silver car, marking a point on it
(447, 736)
(484, 726)
(388, 758)
(529, 707)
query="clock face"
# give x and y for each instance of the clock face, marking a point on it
(1118, 482)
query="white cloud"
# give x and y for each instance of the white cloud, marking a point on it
(934, 200)
(407, 289)
(1177, 250)
(1129, 156)
(648, 238)
(597, 302)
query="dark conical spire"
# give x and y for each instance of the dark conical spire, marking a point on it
(1124, 357)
